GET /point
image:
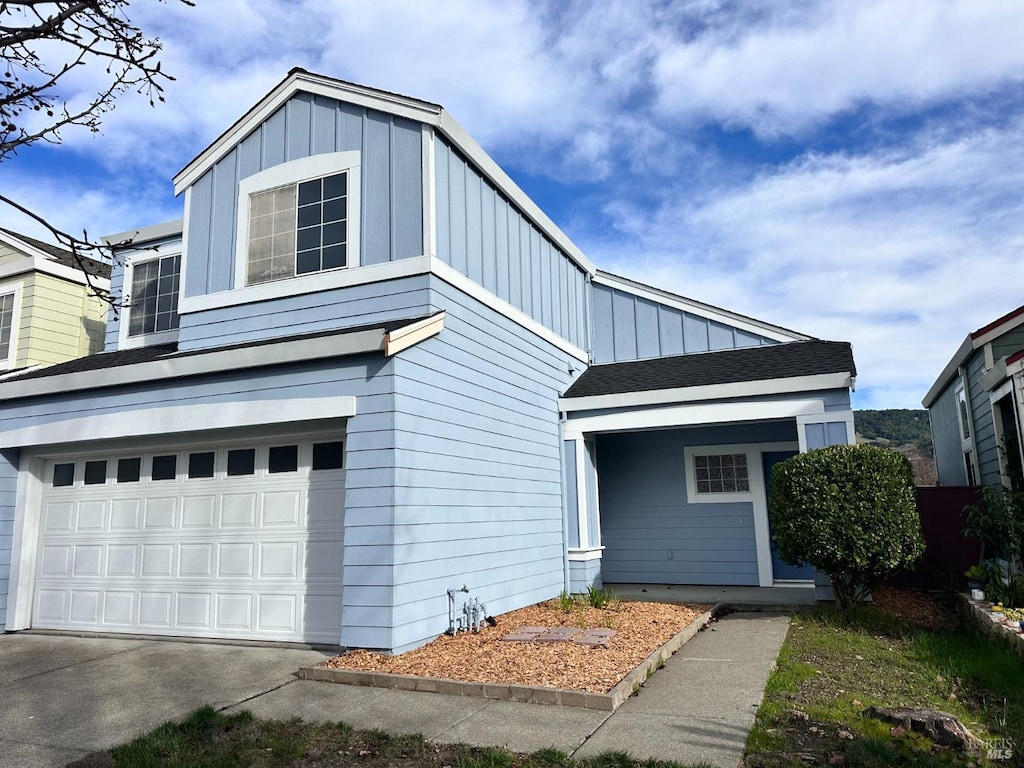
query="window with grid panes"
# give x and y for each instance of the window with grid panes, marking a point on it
(153, 301)
(298, 229)
(721, 473)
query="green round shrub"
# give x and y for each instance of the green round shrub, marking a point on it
(850, 511)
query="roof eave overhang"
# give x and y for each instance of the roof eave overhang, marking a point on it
(279, 352)
(727, 391)
(40, 261)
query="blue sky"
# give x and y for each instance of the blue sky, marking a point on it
(851, 169)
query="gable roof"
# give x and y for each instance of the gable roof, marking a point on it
(32, 247)
(705, 369)
(300, 80)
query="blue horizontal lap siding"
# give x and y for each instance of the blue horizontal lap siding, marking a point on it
(368, 515)
(645, 514)
(307, 313)
(481, 234)
(630, 327)
(984, 426)
(478, 468)
(584, 574)
(8, 493)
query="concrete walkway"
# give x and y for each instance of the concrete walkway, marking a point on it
(63, 697)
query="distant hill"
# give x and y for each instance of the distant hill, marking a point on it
(906, 430)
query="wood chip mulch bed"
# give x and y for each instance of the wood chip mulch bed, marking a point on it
(914, 606)
(641, 629)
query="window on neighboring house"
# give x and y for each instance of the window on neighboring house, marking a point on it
(153, 298)
(298, 229)
(6, 326)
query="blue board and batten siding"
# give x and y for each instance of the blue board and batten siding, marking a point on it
(630, 327)
(478, 473)
(391, 198)
(484, 236)
(369, 433)
(650, 532)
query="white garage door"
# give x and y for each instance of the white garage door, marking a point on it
(231, 541)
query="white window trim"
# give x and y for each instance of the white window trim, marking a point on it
(828, 417)
(12, 352)
(694, 497)
(124, 341)
(295, 172)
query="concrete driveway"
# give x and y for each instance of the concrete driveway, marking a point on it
(64, 697)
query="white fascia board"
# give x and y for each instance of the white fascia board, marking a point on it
(181, 418)
(410, 335)
(312, 283)
(468, 146)
(737, 389)
(694, 307)
(691, 415)
(178, 366)
(306, 82)
(134, 237)
(951, 368)
(458, 280)
(40, 261)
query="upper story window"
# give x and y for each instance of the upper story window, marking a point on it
(299, 218)
(153, 297)
(6, 328)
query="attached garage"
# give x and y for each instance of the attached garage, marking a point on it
(238, 539)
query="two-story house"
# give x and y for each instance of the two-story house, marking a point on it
(50, 310)
(372, 369)
(975, 407)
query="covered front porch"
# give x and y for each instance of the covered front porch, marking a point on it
(668, 485)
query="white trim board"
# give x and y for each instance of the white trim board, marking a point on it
(831, 417)
(458, 280)
(177, 366)
(294, 82)
(179, 418)
(693, 307)
(691, 415)
(737, 389)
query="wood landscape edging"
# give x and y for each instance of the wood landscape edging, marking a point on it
(607, 702)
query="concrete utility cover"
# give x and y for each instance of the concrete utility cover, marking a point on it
(561, 635)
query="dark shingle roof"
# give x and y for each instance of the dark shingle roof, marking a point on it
(774, 361)
(104, 360)
(63, 256)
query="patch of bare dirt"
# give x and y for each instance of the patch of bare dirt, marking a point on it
(913, 606)
(641, 628)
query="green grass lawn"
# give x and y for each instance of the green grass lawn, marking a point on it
(210, 739)
(830, 670)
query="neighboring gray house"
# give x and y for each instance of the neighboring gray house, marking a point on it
(366, 368)
(975, 407)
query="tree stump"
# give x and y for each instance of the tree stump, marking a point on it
(941, 727)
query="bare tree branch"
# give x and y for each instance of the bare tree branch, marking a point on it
(74, 34)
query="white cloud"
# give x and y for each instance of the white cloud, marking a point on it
(901, 253)
(791, 71)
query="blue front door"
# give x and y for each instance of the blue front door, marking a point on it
(780, 568)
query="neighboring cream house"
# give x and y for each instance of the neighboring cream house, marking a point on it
(47, 312)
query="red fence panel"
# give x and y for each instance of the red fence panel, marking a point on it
(948, 553)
